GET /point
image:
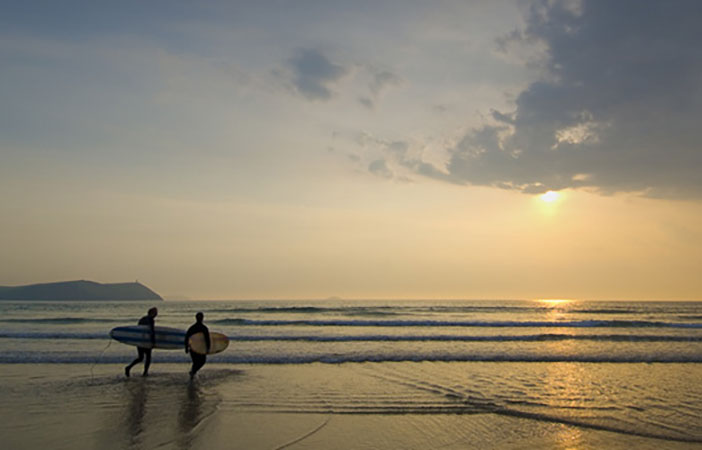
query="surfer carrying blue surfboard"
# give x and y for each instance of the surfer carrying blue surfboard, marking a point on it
(198, 359)
(145, 352)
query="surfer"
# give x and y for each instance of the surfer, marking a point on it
(142, 352)
(198, 359)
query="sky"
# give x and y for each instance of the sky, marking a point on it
(366, 149)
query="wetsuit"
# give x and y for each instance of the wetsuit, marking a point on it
(144, 351)
(198, 359)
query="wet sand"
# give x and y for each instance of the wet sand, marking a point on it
(265, 407)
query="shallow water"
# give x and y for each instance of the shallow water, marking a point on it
(574, 374)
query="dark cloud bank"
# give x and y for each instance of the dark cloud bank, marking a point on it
(617, 110)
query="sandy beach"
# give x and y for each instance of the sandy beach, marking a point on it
(315, 406)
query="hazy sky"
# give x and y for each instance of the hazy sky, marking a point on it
(379, 149)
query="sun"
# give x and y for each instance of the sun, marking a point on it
(550, 196)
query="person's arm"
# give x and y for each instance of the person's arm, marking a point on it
(207, 338)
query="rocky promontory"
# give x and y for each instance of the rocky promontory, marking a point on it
(79, 290)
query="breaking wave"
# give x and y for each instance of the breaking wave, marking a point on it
(393, 338)
(459, 323)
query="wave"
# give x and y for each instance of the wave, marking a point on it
(459, 323)
(392, 338)
(52, 335)
(374, 310)
(412, 310)
(336, 358)
(353, 310)
(602, 311)
(65, 320)
(463, 338)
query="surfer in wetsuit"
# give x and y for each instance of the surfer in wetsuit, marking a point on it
(198, 359)
(142, 352)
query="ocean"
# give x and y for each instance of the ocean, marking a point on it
(359, 374)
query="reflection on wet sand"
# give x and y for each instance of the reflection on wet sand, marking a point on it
(189, 415)
(565, 396)
(135, 413)
(166, 409)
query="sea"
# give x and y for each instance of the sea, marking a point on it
(629, 371)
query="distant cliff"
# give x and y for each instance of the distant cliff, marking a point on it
(79, 290)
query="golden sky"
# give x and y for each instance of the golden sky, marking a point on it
(354, 149)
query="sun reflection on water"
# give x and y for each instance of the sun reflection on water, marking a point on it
(564, 383)
(555, 301)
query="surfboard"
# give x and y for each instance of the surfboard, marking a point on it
(218, 343)
(139, 335)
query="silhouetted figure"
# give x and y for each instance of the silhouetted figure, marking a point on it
(198, 359)
(143, 351)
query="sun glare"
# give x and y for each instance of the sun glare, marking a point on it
(555, 301)
(550, 196)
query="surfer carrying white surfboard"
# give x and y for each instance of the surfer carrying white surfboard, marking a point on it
(198, 359)
(145, 352)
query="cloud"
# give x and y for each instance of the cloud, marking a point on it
(380, 168)
(394, 159)
(313, 74)
(378, 84)
(367, 102)
(617, 108)
(382, 80)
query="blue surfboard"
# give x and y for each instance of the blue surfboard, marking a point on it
(139, 335)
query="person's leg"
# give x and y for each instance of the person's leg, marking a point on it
(140, 357)
(198, 362)
(193, 357)
(147, 363)
(201, 362)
